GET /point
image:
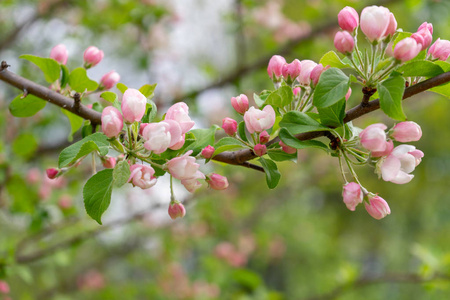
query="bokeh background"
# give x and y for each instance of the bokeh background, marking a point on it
(248, 242)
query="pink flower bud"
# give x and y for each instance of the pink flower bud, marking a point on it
(92, 56)
(344, 42)
(193, 184)
(259, 120)
(352, 195)
(423, 37)
(392, 27)
(274, 69)
(348, 19)
(109, 80)
(160, 136)
(307, 67)
(109, 162)
(397, 166)
(240, 103)
(59, 53)
(377, 207)
(440, 50)
(296, 91)
(407, 132)
(349, 93)
(264, 137)
(386, 151)
(183, 167)
(52, 173)
(373, 138)
(179, 112)
(208, 152)
(260, 149)
(374, 22)
(112, 122)
(316, 72)
(133, 105)
(176, 210)
(229, 126)
(406, 49)
(4, 287)
(291, 71)
(142, 176)
(426, 25)
(286, 148)
(217, 182)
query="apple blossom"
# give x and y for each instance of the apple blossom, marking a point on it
(133, 105)
(274, 69)
(316, 72)
(374, 22)
(397, 165)
(287, 149)
(176, 210)
(392, 27)
(264, 137)
(217, 182)
(440, 50)
(208, 152)
(240, 103)
(291, 71)
(344, 42)
(192, 184)
(259, 120)
(377, 207)
(305, 73)
(109, 80)
(142, 176)
(162, 135)
(179, 112)
(52, 173)
(387, 150)
(348, 19)
(183, 167)
(260, 149)
(373, 138)
(229, 126)
(408, 131)
(352, 195)
(92, 56)
(112, 122)
(406, 49)
(59, 53)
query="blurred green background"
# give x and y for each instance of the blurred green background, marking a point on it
(295, 242)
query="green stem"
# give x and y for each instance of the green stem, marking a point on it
(172, 194)
(342, 168)
(94, 169)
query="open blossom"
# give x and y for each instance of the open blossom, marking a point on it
(176, 210)
(133, 105)
(373, 138)
(352, 195)
(344, 42)
(162, 135)
(109, 80)
(440, 50)
(400, 163)
(408, 131)
(259, 120)
(112, 122)
(59, 53)
(217, 182)
(240, 103)
(348, 19)
(386, 151)
(183, 167)
(92, 56)
(375, 21)
(304, 77)
(142, 176)
(179, 112)
(423, 37)
(377, 207)
(192, 184)
(407, 49)
(275, 67)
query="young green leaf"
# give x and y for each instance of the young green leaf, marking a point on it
(420, 68)
(293, 142)
(48, 66)
(272, 174)
(94, 142)
(227, 144)
(242, 131)
(332, 59)
(147, 90)
(391, 95)
(150, 113)
(26, 107)
(298, 122)
(280, 155)
(331, 88)
(281, 97)
(203, 138)
(97, 194)
(109, 96)
(121, 173)
(121, 87)
(65, 76)
(333, 115)
(80, 82)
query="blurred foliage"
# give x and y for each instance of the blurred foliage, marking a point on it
(247, 242)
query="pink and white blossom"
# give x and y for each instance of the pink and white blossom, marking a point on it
(275, 67)
(344, 42)
(217, 182)
(133, 105)
(179, 112)
(400, 163)
(176, 210)
(162, 135)
(374, 22)
(352, 195)
(60, 54)
(257, 120)
(407, 49)
(142, 176)
(377, 207)
(240, 103)
(292, 70)
(112, 122)
(407, 131)
(440, 50)
(109, 80)
(373, 138)
(264, 137)
(183, 167)
(192, 184)
(348, 19)
(305, 73)
(92, 56)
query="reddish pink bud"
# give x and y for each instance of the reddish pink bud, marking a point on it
(229, 126)
(388, 149)
(407, 132)
(112, 122)
(392, 27)
(406, 49)
(259, 120)
(349, 93)
(208, 152)
(109, 80)
(179, 112)
(348, 19)
(240, 103)
(264, 137)
(352, 195)
(316, 72)
(274, 69)
(92, 56)
(344, 42)
(52, 173)
(260, 149)
(217, 182)
(176, 210)
(286, 148)
(423, 37)
(440, 50)
(374, 22)
(4, 287)
(426, 25)
(142, 176)
(59, 53)
(291, 71)
(307, 67)
(109, 162)
(373, 138)
(297, 91)
(133, 105)
(377, 207)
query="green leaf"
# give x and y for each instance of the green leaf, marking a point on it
(147, 90)
(86, 130)
(391, 95)
(332, 59)
(48, 66)
(121, 173)
(443, 64)
(26, 107)
(80, 82)
(109, 96)
(75, 122)
(203, 138)
(227, 144)
(150, 113)
(333, 115)
(331, 88)
(297, 122)
(121, 87)
(25, 145)
(272, 174)
(65, 76)
(420, 68)
(94, 142)
(97, 194)
(260, 100)
(293, 142)
(280, 155)
(23, 195)
(281, 97)
(242, 131)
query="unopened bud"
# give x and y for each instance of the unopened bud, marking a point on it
(208, 152)
(176, 210)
